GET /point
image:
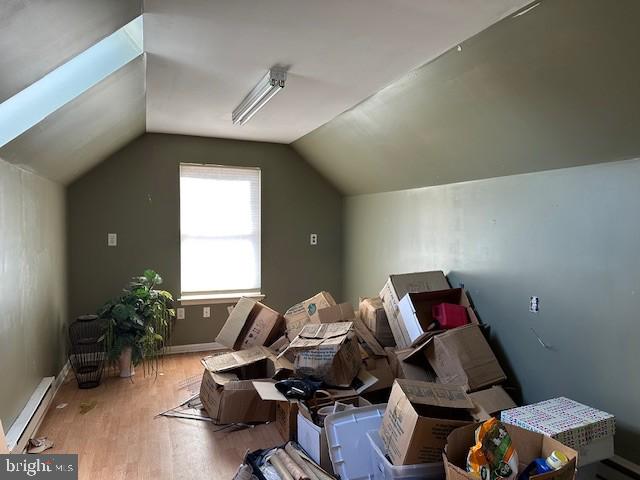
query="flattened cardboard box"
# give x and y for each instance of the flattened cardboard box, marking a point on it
(572, 423)
(328, 351)
(398, 286)
(250, 324)
(419, 417)
(227, 392)
(372, 313)
(300, 314)
(416, 310)
(529, 445)
(462, 356)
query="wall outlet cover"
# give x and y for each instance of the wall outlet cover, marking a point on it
(112, 239)
(313, 239)
(534, 304)
(180, 313)
(206, 312)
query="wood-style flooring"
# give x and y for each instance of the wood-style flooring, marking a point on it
(120, 438)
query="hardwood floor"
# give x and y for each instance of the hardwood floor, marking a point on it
(119, 438)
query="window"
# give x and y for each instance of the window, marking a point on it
(43, 97)
(219, 231)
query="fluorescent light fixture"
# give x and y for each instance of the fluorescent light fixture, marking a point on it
(264, 91)
(60, 86)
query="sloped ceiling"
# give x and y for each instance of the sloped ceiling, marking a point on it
(36, 36)
(85, 131)
(204, 56)
(555, 87)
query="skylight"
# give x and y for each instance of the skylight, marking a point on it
(57, 88)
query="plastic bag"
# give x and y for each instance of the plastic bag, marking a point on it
(493, 456)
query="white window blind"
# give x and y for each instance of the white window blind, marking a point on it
(219, 229)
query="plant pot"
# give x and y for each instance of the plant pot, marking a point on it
(126, 367)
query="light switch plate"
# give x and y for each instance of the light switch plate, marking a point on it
(206, 312)
(112, 239)
(180, 313)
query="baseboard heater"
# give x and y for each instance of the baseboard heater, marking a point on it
(31, 416)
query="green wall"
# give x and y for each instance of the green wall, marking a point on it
(32, 285)
(568, 236)
(135, 193)
(556, 87)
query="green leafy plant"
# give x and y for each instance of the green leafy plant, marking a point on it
(140, 318)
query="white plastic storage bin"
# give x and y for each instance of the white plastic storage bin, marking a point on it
(383, 469)
(349, 447)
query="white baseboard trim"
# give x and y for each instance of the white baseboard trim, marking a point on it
(30, 419)
(194, 347)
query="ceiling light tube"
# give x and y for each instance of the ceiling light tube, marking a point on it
(264, 91)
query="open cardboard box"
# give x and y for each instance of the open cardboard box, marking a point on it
(300, 314)
(396, 287)
(404, 365)
(227, 392)
(419, 417)
(250, 324)
(461, 356)
(328, 351)
(528, 445)
(417, 312)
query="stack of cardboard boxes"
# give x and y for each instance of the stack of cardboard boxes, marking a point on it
(391, 350)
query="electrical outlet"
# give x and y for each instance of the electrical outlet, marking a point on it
(112, 239)
(180, 313)
(534, 304)
(206, 312)
(313, 239)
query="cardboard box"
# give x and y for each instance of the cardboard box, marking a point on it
(404, 366)
(529, 446)
(250, 324)
(328, 351)
(287, 420)
(397, 286)
(286, 410)
(416, 310)
(576, 425)
(300, 314)
(379, 368)
(419, 417)
(371, 311)
(313, 440)
(462, 356)
(370, 344)
(227, 393)
(489, 402)
(342, 312)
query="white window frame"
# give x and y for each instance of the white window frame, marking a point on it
(231, 295)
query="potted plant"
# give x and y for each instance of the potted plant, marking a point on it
(138, 323)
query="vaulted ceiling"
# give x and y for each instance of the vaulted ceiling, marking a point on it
(379, 95)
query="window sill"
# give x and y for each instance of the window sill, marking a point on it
(212, 299)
